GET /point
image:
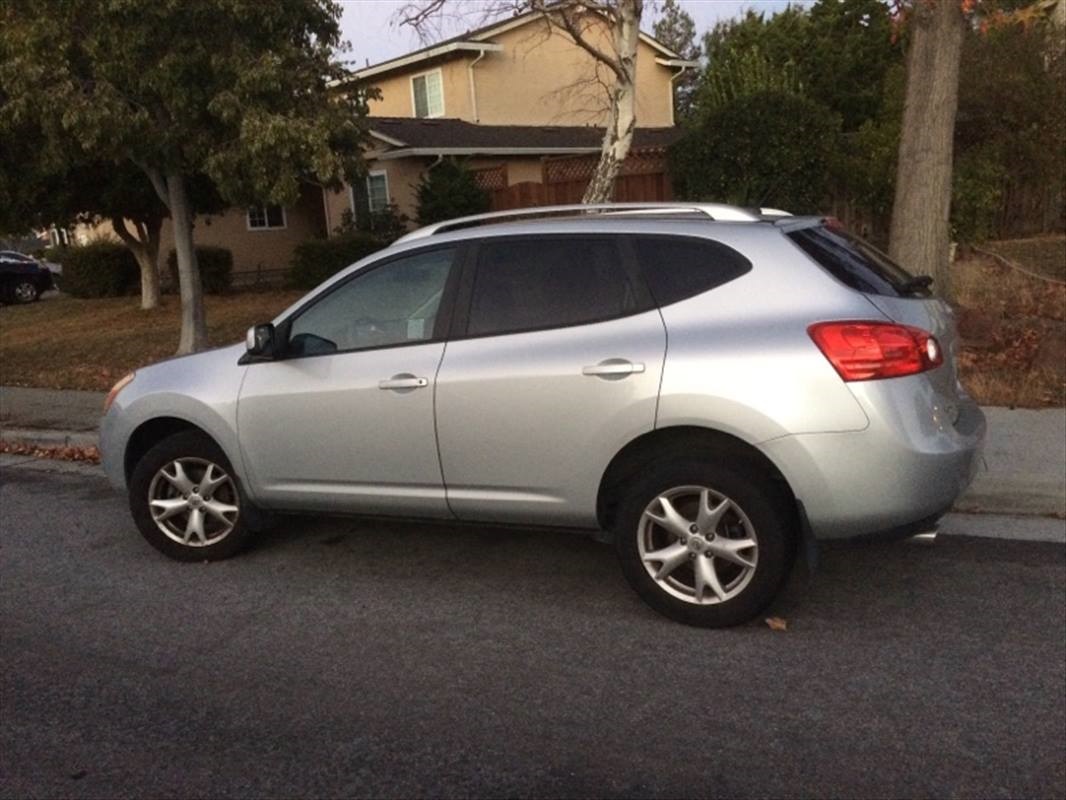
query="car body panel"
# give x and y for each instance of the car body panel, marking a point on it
(525, 435)
(317, 433)
(200, 389)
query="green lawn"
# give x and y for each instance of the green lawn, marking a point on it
(65, 343)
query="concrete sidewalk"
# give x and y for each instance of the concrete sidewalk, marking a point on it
(1025, 451)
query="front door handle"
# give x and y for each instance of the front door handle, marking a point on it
(404, 380)
(613, 368)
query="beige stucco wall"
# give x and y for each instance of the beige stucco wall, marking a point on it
(543, 78)
(252, 249)
(398, 101)
(540, 78)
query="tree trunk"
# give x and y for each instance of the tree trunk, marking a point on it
(144, 244)
(920, 233)
(193, 320)
(622, 118)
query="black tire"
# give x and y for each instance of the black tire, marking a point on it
(766, 506)
(25, 291)
(192, 445)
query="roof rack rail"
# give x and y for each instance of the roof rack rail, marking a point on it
(715, 211)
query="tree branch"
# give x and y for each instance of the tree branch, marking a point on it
(158, 181)
(118, 224)
(562, 14)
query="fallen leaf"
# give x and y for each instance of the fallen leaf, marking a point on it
(776, 624)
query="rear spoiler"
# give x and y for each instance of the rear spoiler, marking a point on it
(789, 224)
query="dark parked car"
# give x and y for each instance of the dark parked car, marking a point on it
(22, 278)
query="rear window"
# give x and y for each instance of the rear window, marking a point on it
(853, 262)
(676, 268)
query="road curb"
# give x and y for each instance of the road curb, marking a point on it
(41, 437)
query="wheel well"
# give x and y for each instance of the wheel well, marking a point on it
(149, 434)
(676, 442)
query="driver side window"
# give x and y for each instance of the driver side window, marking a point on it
(393, 304)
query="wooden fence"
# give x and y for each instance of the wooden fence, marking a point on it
(643, 179)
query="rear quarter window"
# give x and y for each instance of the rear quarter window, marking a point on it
(679, 267)
(852, 261)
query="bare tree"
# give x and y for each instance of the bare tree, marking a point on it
(607, 30)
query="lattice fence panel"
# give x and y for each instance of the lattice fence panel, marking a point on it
(491, 179)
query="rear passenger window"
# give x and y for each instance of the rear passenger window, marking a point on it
(529, 284)
(677, 268)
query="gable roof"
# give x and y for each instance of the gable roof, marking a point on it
(407, 136)
(476, 40)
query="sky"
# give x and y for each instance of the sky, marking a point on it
(371, 28)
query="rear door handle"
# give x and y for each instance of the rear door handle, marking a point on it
(404, 380)
(613, 367)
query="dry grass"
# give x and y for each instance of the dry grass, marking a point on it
(1043, 254)
(1013, 349)
(984, 284)
(65, 343)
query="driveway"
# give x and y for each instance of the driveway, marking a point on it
(354, 658)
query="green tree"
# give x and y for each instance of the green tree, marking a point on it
(1010, 131)
(766, 148)
(448, 190)
(238, 90)
(677, 30)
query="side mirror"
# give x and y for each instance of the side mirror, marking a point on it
(260, 340)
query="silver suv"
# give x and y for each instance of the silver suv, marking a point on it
(701, 385)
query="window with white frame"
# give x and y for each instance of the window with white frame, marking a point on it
(377, 191)
(428, 94)
(265, 217)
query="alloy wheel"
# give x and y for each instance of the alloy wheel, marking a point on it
(698, 545)
(194, 502)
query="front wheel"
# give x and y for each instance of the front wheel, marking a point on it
(186, 501)
(704, 544)
(25, 292)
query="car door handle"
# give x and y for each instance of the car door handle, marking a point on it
(613, 367)
(403, 381)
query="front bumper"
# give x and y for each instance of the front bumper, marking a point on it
(113, 438)
(904, 471)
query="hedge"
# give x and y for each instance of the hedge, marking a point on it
(101, 269)
(216, 269)
(315, 260)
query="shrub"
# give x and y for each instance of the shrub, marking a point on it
(216, 269)
(768, 148)
(314, 260)
(101, 269)
(449, 190)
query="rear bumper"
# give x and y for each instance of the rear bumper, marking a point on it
(900, 474)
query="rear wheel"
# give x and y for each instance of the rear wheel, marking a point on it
(186, 501)
(24, 291)
(705, 544)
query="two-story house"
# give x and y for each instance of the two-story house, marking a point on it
(518, 100)
(523, 105)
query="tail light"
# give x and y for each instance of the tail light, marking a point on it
(865, 351)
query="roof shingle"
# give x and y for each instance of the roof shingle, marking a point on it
(446, 133)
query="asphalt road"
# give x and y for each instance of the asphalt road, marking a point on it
(346, 658)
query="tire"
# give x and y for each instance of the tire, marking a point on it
(25, 291)
(682, 589)
(158, 487)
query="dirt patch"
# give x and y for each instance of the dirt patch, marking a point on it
(1012, 322)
